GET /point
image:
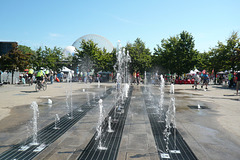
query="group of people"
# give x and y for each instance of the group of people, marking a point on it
(136, 77)
(40, 75)
(204, 78)
(232, 80)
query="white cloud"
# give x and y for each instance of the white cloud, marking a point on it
(54, 35)
(124, 20)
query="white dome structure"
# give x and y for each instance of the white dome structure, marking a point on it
(99, 40)
(69, 51)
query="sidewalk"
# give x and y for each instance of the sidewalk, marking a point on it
(212, 132)
(17, 95)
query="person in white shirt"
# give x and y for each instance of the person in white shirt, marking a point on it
(196, 80)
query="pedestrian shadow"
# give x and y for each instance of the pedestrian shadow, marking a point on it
(230, 95)
(144, 155)
(28, 91)
(223, 87)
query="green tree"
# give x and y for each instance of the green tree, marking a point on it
(233, 44)
(104, 61)
(218, 58)
(25, 49)
(90, 56)
(54, 59)
(225, 56)
(15, 60)
(237, 59)
(177, 54)
(204, 62)
(86, 56)
(140, 56)
(37, 59)
(48, 58)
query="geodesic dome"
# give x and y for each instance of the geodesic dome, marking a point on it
(69, 51)
(99, 40)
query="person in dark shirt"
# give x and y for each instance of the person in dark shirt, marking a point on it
(238, 81)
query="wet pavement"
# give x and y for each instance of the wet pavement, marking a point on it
(212, 132)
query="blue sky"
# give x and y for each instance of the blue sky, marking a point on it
(60, 22)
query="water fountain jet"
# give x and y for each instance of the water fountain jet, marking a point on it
(172, 88)
(34, 107)
(99, 127)
(57, 120)
(199, 107)
(109, 125)
(160, 109)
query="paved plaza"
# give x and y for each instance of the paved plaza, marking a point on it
(211, 132)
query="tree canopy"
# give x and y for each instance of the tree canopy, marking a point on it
(90, 56)
(223, 56)
(140, 56)
(177, 54)
(14, 60)
(47, 58)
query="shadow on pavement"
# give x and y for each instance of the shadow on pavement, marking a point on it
(28, 91)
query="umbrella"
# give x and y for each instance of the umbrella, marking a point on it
(26, 70)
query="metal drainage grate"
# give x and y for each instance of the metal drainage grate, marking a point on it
(47, 135)
(110, 140)
(178, 148)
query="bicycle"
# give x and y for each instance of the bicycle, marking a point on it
(30, 81)
(40, 86)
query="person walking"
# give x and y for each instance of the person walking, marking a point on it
(196, 80)
(51, 76)
(230, 79)
(134, 76)
(138, 77)
(205, 80)
(238, 81)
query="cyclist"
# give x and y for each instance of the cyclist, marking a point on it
(30, 75)
(47, 74)
(40, 75)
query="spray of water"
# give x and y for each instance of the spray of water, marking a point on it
(34, 107)
(99, 127)
(69, 95)
(199, 107)
(160, 111)
(109, 125)
(172, 89)
(57, 120)
(170, 123)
